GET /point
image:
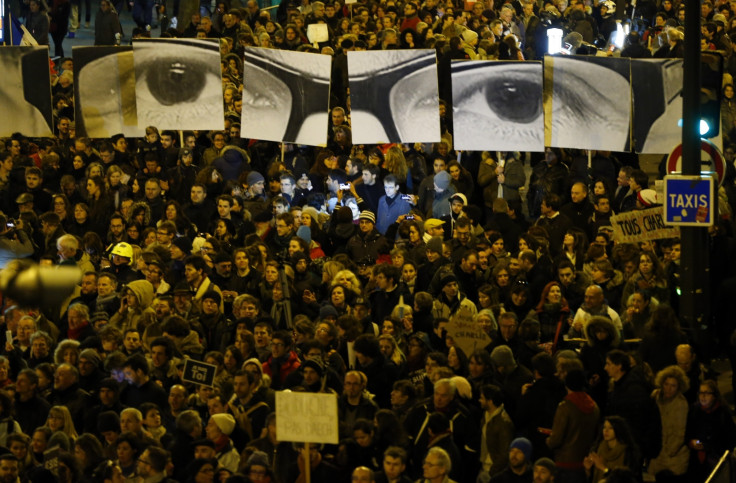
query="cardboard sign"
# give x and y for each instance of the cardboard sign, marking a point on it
(466, 333)
(306, 417)
(642, 225)
(199, 372)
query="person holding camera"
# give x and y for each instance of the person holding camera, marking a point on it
(14, 241)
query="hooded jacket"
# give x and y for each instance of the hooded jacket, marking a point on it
(574, 429)
(143, 314)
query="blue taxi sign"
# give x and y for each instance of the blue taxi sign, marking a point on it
(689, 200)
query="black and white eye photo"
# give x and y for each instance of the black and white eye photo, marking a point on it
(25, 92)
(394, 96)
(178, 83)
(587, 104)
(286, 96)
(656, 86)
(497, 106)
(104, 90)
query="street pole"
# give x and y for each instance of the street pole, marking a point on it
(694, 260)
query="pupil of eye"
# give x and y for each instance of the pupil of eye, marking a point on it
(511, 100)
(175, 83)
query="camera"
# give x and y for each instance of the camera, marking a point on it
(406, 197)
(409, 217)
(345, 186)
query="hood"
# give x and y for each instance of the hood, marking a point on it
(146, 208)
(143, 291)
(604, 323)
(235, 155)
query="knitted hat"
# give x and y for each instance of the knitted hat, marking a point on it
(502, 356)
(647, 197)
(327, 311)
(524, 445)
(449, 278)
(367, 215)
(182, 288)
(211, 294)
(254, 177)
(226, 422)
(314, 364)
(442, 180)
(184, 243)
(312, 212)
(91, 355)
(546, 463)
(258, 458)
(435, 244)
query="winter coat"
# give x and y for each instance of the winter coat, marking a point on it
(675, 454)
(573, 430)
(138, 317)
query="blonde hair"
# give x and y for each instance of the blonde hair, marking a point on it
(395, 163)
(66, 416)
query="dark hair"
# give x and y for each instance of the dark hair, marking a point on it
(492, 393)
(367, 344)
(619, 358)
(137, 362)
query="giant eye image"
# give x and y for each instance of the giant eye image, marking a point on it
(177, 83)
(286, 96)
(105, 92)
(25, 91)
(394, 96)
(497, 106)
(588, 102)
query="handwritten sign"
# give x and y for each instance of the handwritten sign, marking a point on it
(642, 225)
(199, 372)
(306, 417)
(466, 333)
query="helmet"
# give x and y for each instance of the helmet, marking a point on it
(123, 249)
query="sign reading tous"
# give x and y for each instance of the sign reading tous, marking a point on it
(306, 417)
(642, 225)
(199, 372)
(466, 333)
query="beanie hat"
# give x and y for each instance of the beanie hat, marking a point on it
(211, 294)
(523, 445)
(314, 364)
(647, 197)
(449, 278)
(305, 233)
(435, 244)
(108, 421)
(184, 243)
(258, 458)
(367, 215)
(91, 355)
(327, 311)
(442, 180)
(502, 356)
(546, 463)
(226, 422)
(254, 177)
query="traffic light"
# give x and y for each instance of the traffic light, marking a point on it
(711, 82)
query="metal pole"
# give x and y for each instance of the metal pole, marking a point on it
(694, 263)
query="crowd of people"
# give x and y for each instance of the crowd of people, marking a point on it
(341, 270)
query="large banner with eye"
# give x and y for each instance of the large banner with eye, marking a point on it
(286, 96)
(656, 86)
(178, 84)
(394, 96)
(587, 102)
(25, 91)
(105, 92)
(497, 106)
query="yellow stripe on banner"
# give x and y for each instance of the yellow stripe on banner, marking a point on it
(547, 95)
(126, 69)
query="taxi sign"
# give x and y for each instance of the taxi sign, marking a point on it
(689, 200)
